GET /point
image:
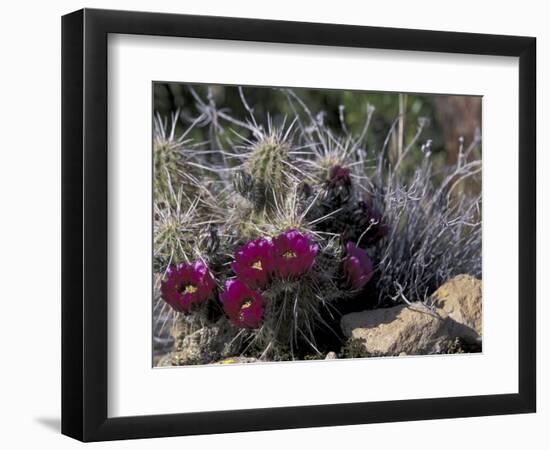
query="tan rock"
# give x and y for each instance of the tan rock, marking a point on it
(414, 330)
(417, 329)
(460, 299)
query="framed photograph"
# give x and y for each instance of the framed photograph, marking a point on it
(274, 225)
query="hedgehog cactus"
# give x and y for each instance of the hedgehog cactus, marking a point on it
(165, 163)
(271, 171)
(296, 281)
(175, 165)
(167, 156)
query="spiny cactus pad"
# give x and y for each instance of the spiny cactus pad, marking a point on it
(270, 169)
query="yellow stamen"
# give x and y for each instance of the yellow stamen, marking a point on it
(288, 255)
(246, 305)
(190, 289)
(257, 265)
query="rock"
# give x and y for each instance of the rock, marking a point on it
(460, 299)
(415, 330)
(331, 355)
(452, 325)
(206, 345)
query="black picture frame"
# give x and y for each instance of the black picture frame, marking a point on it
(84, 224)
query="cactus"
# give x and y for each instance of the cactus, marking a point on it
(167, 159)
(269, 170)
(266, 166)
(165, 163)
(179, 172)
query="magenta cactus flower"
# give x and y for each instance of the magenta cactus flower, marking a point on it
(243, 306)
(187, 285)
(339, 176)
(293, 254)
(253, 263)
(357, 266)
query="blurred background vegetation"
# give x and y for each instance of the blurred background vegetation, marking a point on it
(449, 116)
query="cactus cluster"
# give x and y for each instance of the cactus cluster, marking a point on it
(273, 232)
